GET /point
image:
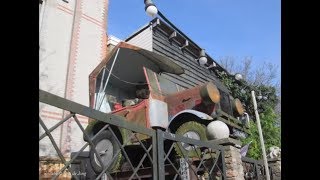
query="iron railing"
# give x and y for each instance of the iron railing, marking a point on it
(254, 169)
(150, 153)
(159, 156)
(188, 158)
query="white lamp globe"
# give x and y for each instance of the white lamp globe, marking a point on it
(217, 130)
(152, 10)
(238, 77)
(203, 60)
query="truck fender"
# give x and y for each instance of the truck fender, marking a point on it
(199, 114)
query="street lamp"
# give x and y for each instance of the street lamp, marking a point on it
(150, 8)
(239, 77)
(202, 57)
(263, 97)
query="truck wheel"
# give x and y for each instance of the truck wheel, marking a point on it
(107, 147)
(193, 130)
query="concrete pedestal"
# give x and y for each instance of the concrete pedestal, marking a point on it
(234, 169)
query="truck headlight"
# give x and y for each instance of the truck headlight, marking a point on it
(238, 107)
(210, 93)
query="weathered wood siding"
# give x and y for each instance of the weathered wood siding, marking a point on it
(194, 73)
(143, 39)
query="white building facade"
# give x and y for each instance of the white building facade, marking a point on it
(72, 42)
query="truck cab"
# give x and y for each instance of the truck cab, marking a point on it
(131, 82)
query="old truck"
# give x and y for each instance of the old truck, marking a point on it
(129, 83)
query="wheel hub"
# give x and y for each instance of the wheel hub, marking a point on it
(105, 150)
(191, 135)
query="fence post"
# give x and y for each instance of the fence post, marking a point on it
(160, 147)
(256, 170)
(275, 165)
(233, 162)
(155, 156)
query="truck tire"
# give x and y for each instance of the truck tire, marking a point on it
(107, 146)
(194, 130)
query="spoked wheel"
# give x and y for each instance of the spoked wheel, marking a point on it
(193, 130)
(107, 148)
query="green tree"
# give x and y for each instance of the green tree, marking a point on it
(260, 80)
(270, 131)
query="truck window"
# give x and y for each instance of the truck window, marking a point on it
(160, 84)
(122, 87)
(153, 81)
(167, 86)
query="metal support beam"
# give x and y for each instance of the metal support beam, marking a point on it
(160, 147)
(55, 126)
(154, 156)
(62, 103)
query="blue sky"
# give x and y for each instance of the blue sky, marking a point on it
(222, 27)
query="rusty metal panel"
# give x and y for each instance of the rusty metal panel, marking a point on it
(137, 115)
(158, 113)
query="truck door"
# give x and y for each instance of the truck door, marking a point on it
(158, 109)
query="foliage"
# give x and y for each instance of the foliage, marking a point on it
(266, 108)
(265, 74)
(271, 134)
(242, 91)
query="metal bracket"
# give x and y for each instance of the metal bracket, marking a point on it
(156, 23)
(212, 65)
(186, 43)
(172, 35)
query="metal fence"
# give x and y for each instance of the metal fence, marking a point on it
(254, 169)
(189, 159)
(161, 155)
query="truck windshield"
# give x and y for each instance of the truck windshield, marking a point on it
(160, 83)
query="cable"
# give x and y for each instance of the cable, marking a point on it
(132, 83)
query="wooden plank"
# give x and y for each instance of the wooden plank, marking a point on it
(195, 74)
(189, 64)
(181, 82)
(229, 122)
(174, 49)
(187, 69)
(225, 141)
(162, 45)
(195, 78)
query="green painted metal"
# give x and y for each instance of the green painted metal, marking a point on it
(161, 169)
(65, 104)
(159, 158)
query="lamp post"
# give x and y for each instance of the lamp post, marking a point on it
(265, 161)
